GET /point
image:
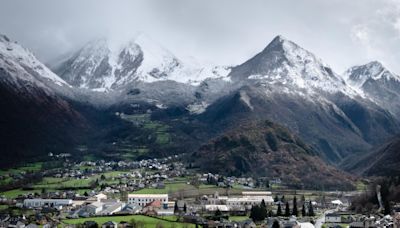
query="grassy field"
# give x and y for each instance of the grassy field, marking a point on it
(32, 167)
(52, 182)
(148, 221)
(160, 130)
(238, 218)
(16, 192)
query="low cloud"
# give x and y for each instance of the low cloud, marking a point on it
(225, 32)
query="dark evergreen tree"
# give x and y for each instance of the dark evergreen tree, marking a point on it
(303, 210)
(311, 210)
(279, 211)
(184, 208)
(283, 199)
(258, 213)
(294, 211)
(253, 213)
(263, 205)
(287, 210)
(276, 199)
(176, 208)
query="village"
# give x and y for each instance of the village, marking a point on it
(165, 193)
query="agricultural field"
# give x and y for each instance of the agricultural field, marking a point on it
(238, 218)
(51, 184)
(16, 192)
(31, 167)
(156, 129)
(149, 221)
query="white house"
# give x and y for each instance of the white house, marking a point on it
(47, 202)
(144, 199)
(99, 197)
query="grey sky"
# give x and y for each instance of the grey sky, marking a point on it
(341, 32)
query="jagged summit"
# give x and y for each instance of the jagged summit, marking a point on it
(358, 75)
(277, 42)
(284, 62)
(377, 83)
(105, 64)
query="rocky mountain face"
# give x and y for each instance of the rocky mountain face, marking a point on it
(269, 150)
(376, 82)
(291, 86)
(383, 160)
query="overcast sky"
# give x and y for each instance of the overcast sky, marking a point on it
(341, 32)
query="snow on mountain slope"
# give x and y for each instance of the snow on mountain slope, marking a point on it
(24, 65)
(285, 63)
(357, 76)
(104, 65)
(377, 83)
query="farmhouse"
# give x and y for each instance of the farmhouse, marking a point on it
(144, 199)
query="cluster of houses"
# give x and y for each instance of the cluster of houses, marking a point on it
(160, 205)
(362, 221)
(152, 173)
(101, 205)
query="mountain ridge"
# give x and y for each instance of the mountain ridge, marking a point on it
(283, 83)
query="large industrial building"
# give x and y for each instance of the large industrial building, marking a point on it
(144, 199)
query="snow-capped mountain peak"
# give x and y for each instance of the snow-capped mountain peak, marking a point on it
(357, 76)
(107, 64)
(21, 61)
(378, 83)
(283, 62)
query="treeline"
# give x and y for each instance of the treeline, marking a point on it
(260, 212)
